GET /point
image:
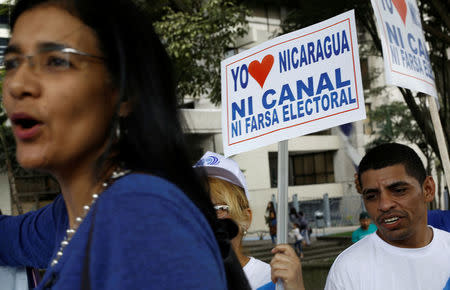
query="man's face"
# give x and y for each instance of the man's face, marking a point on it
(364, 223)
(397, 204)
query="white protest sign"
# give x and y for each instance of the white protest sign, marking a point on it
(299, 83)
(406, 59)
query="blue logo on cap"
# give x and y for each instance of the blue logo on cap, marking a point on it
(210, 160)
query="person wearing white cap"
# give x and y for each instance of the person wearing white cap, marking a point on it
(229, 195)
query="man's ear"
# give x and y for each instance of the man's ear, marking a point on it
(124, 109)
(429, 189)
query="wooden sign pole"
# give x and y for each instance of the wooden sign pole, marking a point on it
(440, 137)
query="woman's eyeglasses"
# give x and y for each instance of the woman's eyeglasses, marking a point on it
(48, 60)
(222, 211)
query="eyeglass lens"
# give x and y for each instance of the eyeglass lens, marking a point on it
(48, 61)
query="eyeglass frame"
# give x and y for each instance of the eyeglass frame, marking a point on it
(47, 48)
(222, 207)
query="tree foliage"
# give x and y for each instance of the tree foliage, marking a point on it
(197, 34)
(436, 24)
(394, 122)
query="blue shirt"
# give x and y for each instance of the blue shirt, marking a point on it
(439, 219)
(146, 234)
(360, 233)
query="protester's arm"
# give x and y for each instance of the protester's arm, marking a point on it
(287, 267)
(29, 239)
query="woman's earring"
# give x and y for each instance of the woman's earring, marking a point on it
(118, 132)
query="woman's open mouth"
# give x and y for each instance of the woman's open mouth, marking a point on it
(25, 127)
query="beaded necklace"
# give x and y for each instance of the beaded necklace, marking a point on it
(78, 220)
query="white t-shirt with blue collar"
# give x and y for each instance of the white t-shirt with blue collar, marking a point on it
(258, 274)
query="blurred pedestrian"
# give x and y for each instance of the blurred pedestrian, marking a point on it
(366, 227)
(299, 240)
(271, 221)
(293, 218)
(304, 228)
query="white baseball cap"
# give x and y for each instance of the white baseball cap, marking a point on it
(223, 168)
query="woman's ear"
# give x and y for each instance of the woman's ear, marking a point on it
(249, 214)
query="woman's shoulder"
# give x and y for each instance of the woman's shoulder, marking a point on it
(154, 204)
(142, 184)
(138, 194)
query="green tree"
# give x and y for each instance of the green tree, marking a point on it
(197, 35)
(394, 122)
(436, 23)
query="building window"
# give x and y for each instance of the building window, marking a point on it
(311, 168)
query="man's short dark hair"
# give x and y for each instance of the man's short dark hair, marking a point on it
(390, 154)
(364, 215)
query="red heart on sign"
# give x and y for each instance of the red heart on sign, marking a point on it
(260, 71)
(400, 5)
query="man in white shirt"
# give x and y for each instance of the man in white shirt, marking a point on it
(405, 253)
